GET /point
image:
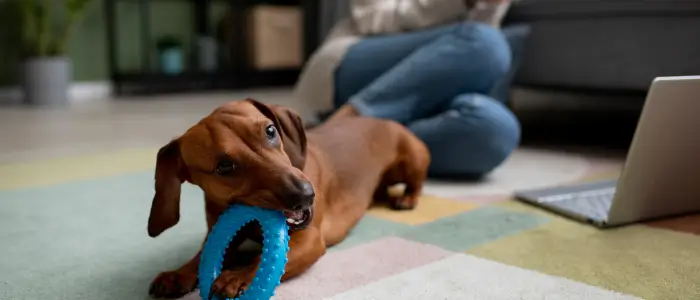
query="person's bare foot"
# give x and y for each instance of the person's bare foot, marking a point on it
(343, 112)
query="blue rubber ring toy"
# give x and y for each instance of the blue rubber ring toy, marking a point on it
(274, 250)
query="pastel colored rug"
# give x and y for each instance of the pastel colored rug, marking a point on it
(75, 228)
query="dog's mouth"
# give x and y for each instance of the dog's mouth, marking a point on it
(299, 219)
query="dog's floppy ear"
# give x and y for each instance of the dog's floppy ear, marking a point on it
(290, 125)
(170, 174)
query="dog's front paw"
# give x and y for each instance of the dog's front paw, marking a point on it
(231, 283)
(173, 284)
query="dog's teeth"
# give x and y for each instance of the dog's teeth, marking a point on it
(294, 221)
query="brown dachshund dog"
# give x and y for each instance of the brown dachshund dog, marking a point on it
(256, 154)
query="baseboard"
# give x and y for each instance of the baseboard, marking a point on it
(78, 92)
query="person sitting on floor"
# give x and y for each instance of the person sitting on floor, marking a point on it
(432, 65)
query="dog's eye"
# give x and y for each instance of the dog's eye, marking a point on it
(224, 167)
(271, 132)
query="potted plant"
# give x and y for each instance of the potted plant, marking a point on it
(47, 26)
(170, 55)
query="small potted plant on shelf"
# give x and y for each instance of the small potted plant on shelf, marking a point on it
(47, 26)
(170, 55)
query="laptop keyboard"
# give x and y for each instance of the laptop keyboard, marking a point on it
(591, 203)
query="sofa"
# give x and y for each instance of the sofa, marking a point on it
(608, 46)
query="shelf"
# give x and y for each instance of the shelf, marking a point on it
(245, 2)
(136, 83)
(239, 76)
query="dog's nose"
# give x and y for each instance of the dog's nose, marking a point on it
(300, 194)
(307, 190)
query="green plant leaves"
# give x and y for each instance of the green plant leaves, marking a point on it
(41, 35)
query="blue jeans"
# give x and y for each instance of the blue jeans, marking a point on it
(439, 83)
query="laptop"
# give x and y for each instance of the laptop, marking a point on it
(661, 174)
